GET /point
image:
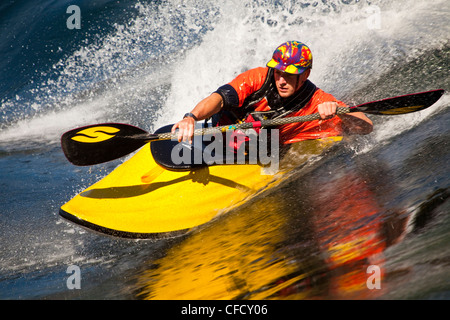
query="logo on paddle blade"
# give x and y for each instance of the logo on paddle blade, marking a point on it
(95, 134)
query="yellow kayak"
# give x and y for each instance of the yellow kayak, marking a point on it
(142, 199)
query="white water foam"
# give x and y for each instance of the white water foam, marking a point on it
(347, 53)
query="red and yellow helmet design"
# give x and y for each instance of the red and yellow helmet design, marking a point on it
(291, 57)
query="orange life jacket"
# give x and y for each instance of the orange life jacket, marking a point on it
(255, 90)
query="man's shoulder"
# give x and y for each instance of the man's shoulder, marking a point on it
(251, 79)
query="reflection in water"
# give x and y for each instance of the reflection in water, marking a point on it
(314, 238)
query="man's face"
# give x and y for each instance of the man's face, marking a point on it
(287, 83)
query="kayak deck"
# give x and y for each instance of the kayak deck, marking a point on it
(141, 199)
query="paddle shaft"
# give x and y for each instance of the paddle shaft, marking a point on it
(247, 125)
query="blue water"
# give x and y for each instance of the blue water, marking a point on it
(381, 199)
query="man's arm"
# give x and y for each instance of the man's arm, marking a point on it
(203, 110)
(354, 123)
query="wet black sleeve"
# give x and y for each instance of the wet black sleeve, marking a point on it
(229, 96)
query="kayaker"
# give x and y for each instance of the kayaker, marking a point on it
(280, 89)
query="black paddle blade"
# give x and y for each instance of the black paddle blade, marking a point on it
(100, 143)
(402, 104)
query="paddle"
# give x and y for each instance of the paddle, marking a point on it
(100, 143)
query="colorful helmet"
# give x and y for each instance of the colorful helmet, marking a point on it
(291, 57)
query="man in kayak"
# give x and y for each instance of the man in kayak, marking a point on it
(280, 89)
